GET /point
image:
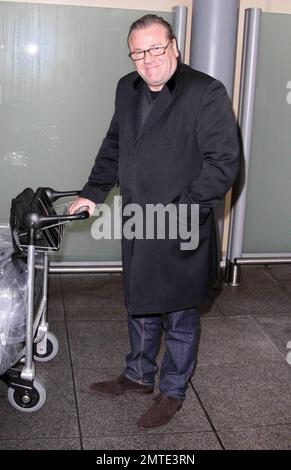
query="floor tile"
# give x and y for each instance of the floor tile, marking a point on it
(97, 310)
(281, 272)
(257, 438)
(98, 297)
(79, 289)
(277, 329)
(96, 345)
(257, 294)
(287, 288)
(55, 300)
(40, 444)
(156, 441)
(233, 340)
(254, 393)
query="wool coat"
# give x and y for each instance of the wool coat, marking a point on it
(186, 152)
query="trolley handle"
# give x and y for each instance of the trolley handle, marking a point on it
(35, 220)
(54, 195)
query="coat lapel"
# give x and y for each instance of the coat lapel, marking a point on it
(136, 102)
(160, 106)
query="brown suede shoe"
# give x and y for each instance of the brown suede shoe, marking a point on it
(161, 412)
(119, 386)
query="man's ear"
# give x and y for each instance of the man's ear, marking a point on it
(175, 47)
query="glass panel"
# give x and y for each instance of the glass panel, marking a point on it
(268, 216)
(59, 66)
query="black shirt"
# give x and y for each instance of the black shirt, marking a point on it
(148, 99)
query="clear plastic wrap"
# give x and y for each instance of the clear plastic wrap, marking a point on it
(6, 247)
(13, 306)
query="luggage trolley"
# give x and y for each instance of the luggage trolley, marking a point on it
(36, 232)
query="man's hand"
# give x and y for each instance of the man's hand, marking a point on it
(82, 202)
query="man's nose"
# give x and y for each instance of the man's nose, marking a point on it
(147, 57)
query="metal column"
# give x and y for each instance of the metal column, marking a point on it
(246, 109)
(179, 28)
(213, 49)
(213, 39)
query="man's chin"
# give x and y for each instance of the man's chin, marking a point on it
(154, 83)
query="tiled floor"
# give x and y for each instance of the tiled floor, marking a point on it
(238, 398)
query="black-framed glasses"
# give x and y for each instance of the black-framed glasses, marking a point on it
(153, 51)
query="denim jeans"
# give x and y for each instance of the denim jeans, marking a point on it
(182, 331)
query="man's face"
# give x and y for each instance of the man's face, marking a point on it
(155, 70)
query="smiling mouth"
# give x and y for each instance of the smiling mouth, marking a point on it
(151, 68)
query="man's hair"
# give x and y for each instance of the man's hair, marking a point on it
(148, 20)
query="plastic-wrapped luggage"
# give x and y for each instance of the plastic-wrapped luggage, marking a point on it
(13, 305)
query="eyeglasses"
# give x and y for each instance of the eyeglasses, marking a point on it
(153, 51)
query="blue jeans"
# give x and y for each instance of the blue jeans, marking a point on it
(182, 331)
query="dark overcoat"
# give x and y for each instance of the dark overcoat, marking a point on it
(186, 152)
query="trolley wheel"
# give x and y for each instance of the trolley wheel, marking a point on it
(28, 401)
(52, 349)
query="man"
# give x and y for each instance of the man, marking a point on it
(172, 139)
